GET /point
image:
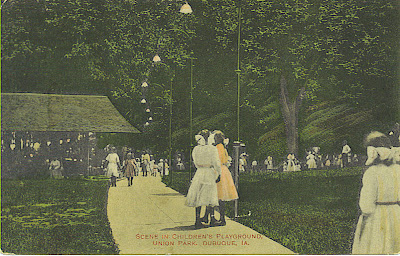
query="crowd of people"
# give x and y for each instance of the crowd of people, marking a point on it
(313, 159)
(131, 166)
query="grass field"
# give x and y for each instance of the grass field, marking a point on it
(309, 212)
(43, 216)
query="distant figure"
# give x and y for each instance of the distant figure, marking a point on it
(297, 165)
(339, 161)
(254, 166)
(229, 163)
(180, 166)
(284, 167)
(138, 166)
(327, 162)
(355, 160)
(346, 154)
(55, 169)
(130, 168)
(153, 167)
(241, 164)
(145, 164)
(266, 163)
(161, 167)
(112, 164)
(290, 163)
(166, 167)
(311, 163)
(394, 135)
(378, 227)
(269, 164)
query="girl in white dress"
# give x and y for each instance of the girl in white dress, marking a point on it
(112, 162)
(290, 163)
(378, 228)
(203, 188)
(311, 163)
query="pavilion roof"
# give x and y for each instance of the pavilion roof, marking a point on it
(55, 112)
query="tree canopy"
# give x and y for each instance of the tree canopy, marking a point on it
(340, 57)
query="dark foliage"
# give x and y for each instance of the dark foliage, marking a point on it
(55, 217)
(310, 212)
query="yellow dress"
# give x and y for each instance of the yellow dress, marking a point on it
(226, 188)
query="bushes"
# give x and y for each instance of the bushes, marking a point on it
(55, 217)
(310, 212)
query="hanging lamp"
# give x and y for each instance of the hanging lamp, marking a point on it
(156, 58)
(186, 8)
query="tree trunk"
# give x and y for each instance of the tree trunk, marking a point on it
(290, 111)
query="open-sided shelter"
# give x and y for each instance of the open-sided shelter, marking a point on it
(37, 126)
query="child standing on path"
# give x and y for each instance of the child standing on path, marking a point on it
(226, 187)
(203, 188)
(112, 163)
(130, 168)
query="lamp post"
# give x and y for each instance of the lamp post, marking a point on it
(170, 134)
(237, 145)
(191, 119)
(186, 9)
(238, 71)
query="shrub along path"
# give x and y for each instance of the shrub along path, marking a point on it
(150, 218)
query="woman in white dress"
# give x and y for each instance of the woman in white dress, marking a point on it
(203, 188)
(378, 228)
(112, 162)
(290, 163)
(311, 163)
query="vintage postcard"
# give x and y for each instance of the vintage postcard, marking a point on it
(146, 127)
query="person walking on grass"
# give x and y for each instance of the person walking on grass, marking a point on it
(112, 164)
(130, 168)
(346, 154)
(55, 169)
(290, 163)
(311, 163)
(378, 227)
(254, 166)
(203, 187)
(226, 187)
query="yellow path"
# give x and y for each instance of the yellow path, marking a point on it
(150, 218)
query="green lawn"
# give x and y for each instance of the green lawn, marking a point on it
(43, 216)
(310, 212)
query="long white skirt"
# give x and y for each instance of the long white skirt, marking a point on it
(203, 189)
(311, 164)
(378, 233)
(112, 170)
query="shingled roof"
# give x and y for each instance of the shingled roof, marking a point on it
(54, 112)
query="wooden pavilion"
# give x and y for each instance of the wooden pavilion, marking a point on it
(36, 127)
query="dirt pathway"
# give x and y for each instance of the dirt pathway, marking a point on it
(150, 218)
